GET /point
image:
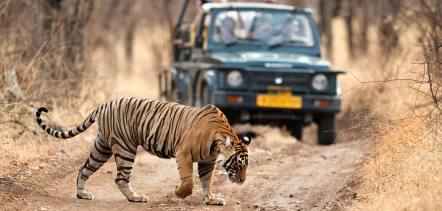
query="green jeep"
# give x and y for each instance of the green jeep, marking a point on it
(259, 63)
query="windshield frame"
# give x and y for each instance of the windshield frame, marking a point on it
(212, 45)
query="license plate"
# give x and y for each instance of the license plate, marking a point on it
(285, 100)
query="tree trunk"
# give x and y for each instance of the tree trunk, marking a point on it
(129, 34)
(51, 10)
(363, 35)
(349, 23)
(76, 15)
(325, 17)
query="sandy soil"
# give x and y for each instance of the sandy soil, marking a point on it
(284, 175)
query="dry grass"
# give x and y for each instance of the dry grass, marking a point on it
(384, 103)
(378, 84)
(22, 142)
(376, 90)
(405, 170)
(45, 78)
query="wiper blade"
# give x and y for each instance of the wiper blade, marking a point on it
(279, 42)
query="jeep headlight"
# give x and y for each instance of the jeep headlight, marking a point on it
(234, 78)
(319, 82)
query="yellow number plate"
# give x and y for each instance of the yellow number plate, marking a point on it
(285, 100)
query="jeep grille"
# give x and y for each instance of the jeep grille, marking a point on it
(298, 82)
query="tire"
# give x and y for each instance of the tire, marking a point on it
(296, 131)
(206, 95)
(326, 129)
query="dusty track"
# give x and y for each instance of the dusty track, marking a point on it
(284, 175)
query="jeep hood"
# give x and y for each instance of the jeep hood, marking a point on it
(271, 60)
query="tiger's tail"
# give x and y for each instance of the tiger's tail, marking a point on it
(70, 133)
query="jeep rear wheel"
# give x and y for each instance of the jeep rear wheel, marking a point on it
(326, 129)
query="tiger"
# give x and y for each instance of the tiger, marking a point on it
(166, 130)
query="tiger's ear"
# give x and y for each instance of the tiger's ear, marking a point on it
(228, 141)
(246, 139)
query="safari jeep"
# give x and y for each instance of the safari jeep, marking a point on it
(257, 62)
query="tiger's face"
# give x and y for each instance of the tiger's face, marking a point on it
(237, 160)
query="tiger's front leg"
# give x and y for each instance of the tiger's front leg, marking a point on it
(206, 172)
(185, 169)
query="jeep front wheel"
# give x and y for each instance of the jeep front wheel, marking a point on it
(326, 129)
(206, 95)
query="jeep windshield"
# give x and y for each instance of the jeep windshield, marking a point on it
(269, 28)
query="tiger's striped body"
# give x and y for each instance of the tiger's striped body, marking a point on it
(167, 130)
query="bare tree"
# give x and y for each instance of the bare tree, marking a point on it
(431, 28)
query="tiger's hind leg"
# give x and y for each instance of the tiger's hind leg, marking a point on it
(206, 172)
(125, 161)
(100, 153)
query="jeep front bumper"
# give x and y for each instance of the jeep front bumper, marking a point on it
(312, 104)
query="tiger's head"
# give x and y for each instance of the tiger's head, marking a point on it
(234, 158)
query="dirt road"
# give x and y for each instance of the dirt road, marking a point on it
(283, 175)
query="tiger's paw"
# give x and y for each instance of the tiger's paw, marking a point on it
(216, 202)
(82, 194)
(138, 198)
(182, 192)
